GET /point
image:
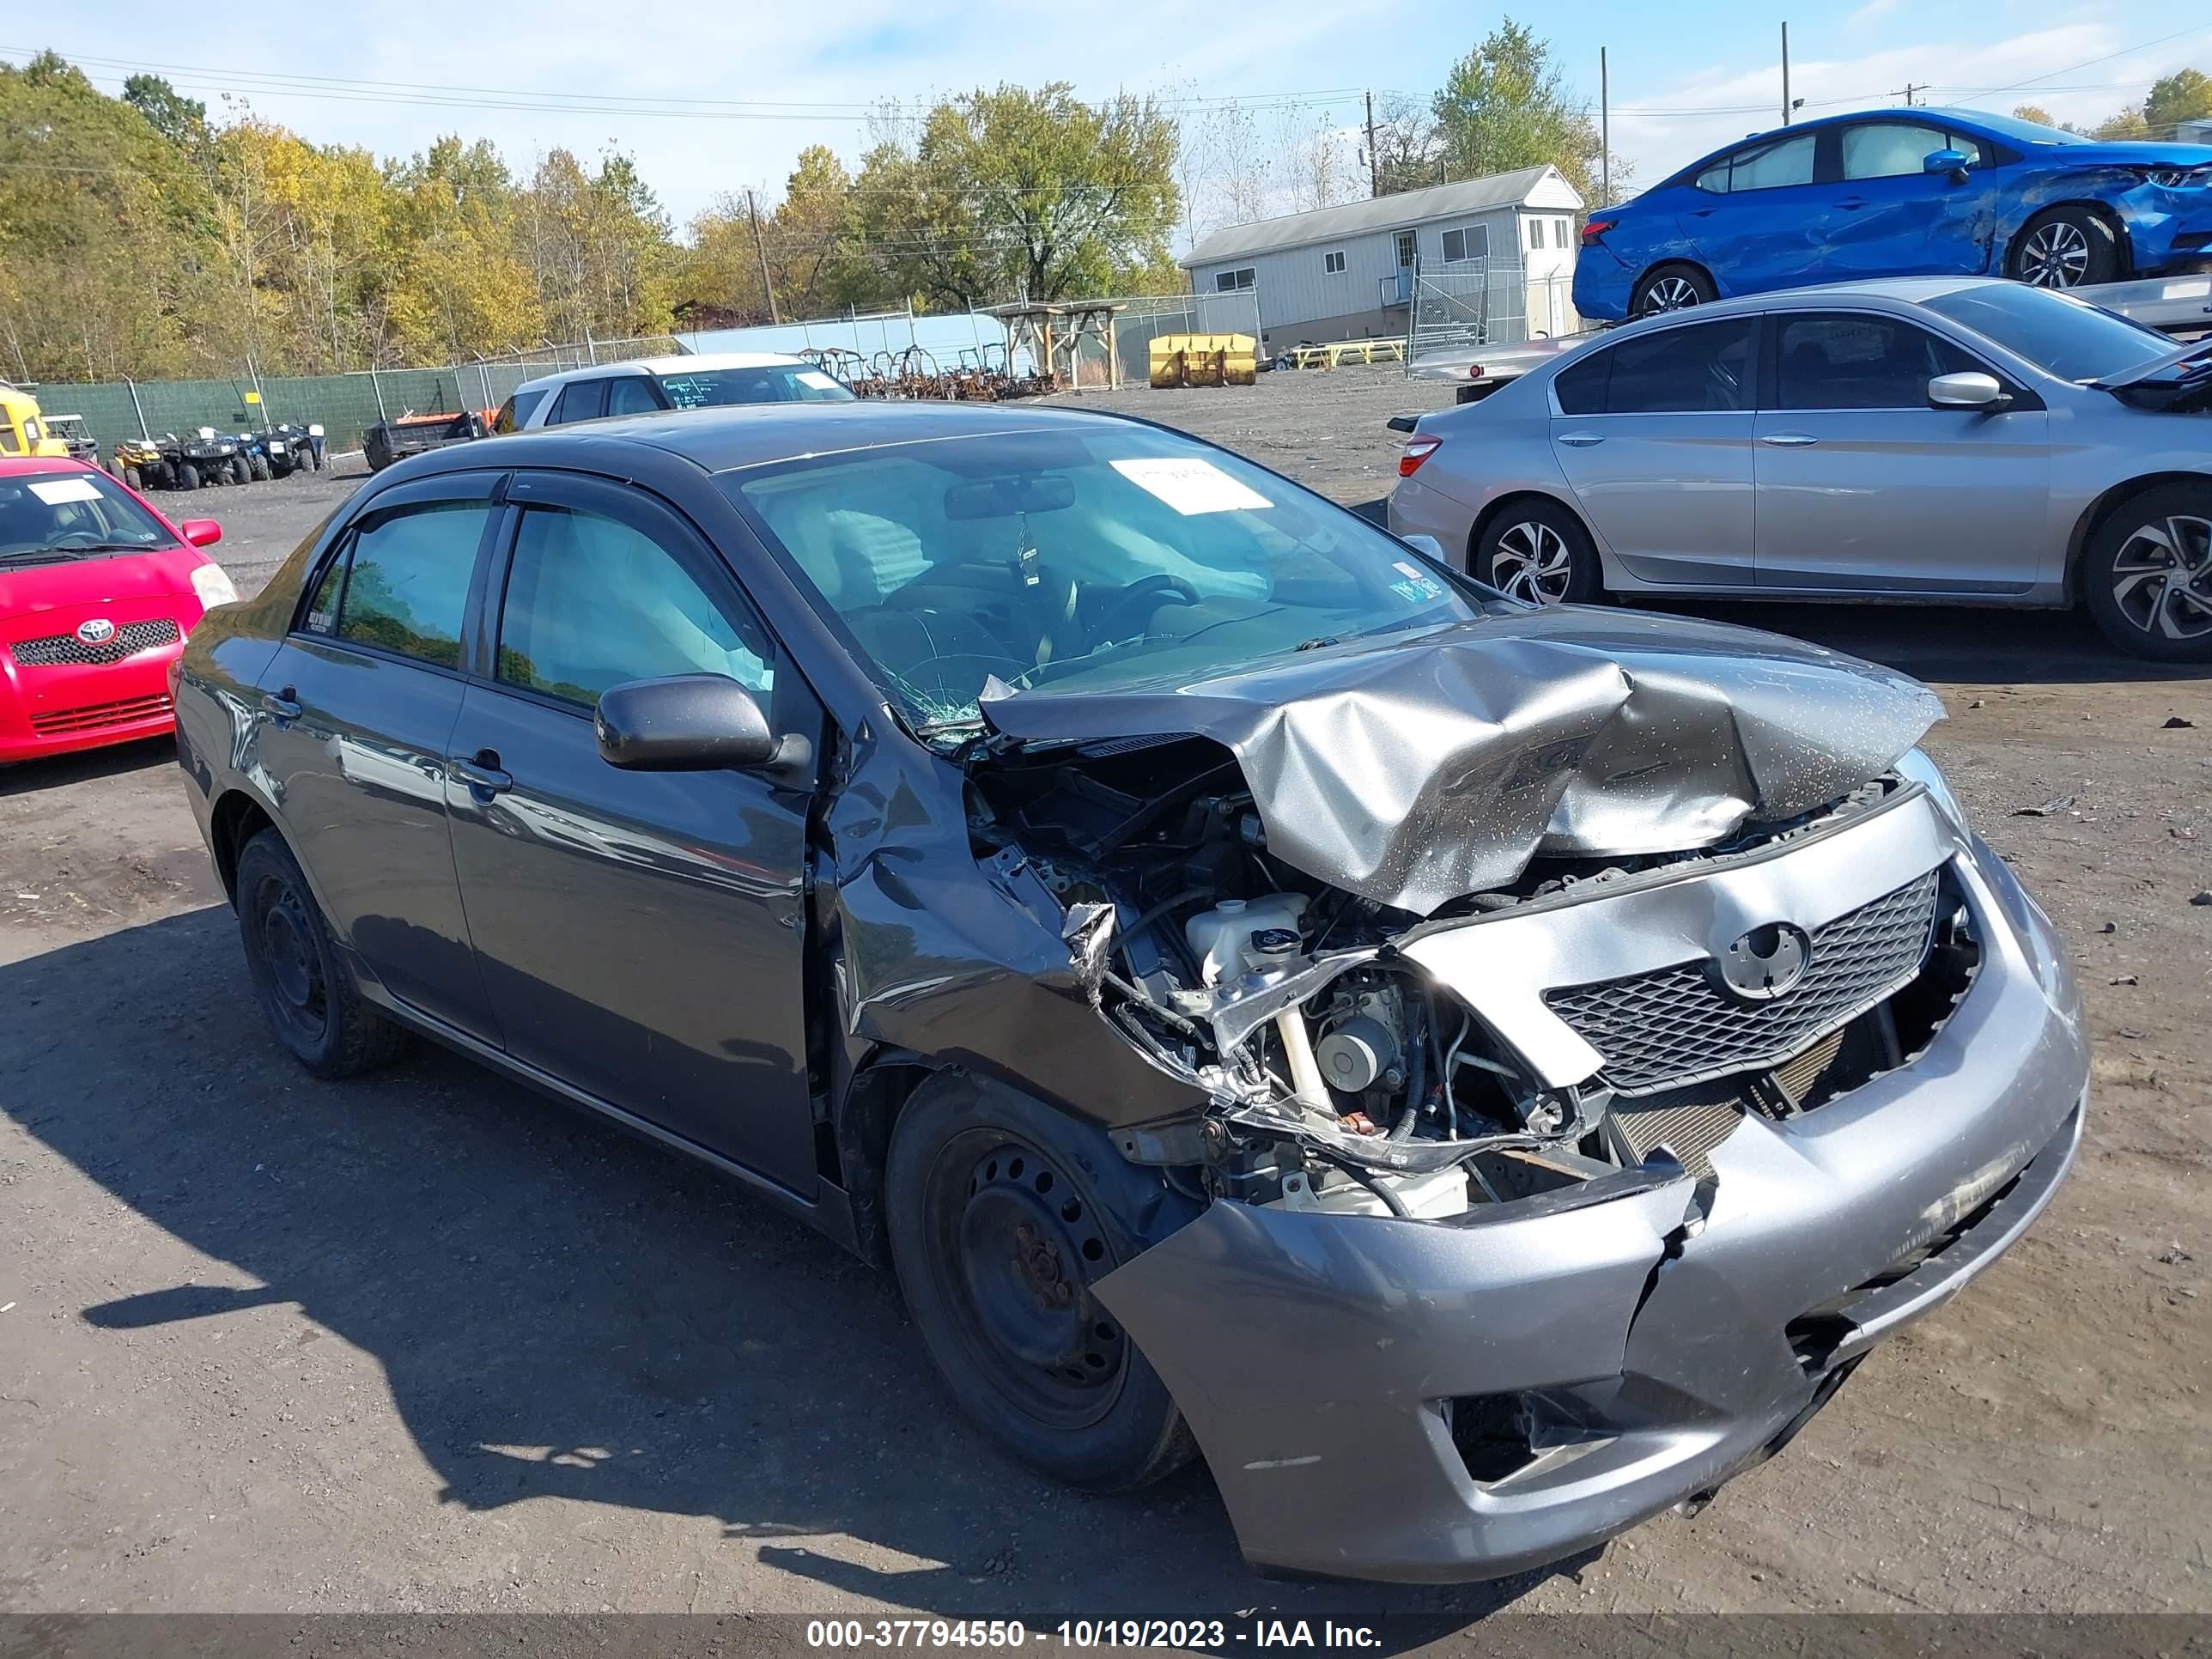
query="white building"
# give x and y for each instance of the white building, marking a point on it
(1344, 273)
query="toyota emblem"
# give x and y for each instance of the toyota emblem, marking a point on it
(1767, 963)
(98, 630)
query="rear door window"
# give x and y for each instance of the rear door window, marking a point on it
(580, 400)
(632, 394)
(402, 584)
(1774, 167)
(1699, 369)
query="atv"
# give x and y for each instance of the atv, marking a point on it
(210, 457)
(289, 449)
(140, 464)
(70, 429)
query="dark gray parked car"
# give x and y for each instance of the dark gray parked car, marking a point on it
(1481, 1074)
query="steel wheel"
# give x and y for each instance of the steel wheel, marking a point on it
(1010, 1229)
(1669, 293)
(287, 951)
(1532, 562)
(2055, 255)
(2162, 577)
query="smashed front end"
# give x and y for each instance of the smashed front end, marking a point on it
(1606, 1032)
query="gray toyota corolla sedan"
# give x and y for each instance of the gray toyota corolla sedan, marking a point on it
(1481, 1074)
(1966, 441)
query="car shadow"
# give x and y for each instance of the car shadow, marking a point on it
(562, 1311)
(86, 765)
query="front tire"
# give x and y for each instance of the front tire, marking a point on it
(1538, 552)
(134, 478)
(2066, 247)
(2147, 575)
(188, 476)
(1003, 1214)
(306, 992)
(1674, 287)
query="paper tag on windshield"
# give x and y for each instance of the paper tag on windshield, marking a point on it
(1418, 586)
(1191, 486)
(54, 491)
(817, 380)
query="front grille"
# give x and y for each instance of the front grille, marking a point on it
(52, 649)
(1674, 1027)
(1688, 1122)
(94, 715)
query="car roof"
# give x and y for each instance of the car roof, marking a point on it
(719, 440)
(1898, 290)
(11, 464)
(682, 364)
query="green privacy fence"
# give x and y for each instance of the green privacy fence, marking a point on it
(343, 404)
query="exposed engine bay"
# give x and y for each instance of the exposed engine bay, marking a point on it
(1346, 1073)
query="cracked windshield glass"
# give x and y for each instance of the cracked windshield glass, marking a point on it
(1078, 561)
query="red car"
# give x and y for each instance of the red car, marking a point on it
(97, 593)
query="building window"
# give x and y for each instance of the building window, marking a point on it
(1235, 282)
(1404, 250)
(1472, 243)
(1562, 233)
(1333, 262)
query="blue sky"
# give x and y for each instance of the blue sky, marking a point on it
(683, 89)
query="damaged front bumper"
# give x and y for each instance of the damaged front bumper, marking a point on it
(1436, 1400)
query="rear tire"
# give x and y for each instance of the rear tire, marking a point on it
(188, 476)
(2147, 574)
(305, 991)
(1673, 287)
(1003, 1214)
(132, 477)
(1538, 552)
(257, 468)
(2065, 247)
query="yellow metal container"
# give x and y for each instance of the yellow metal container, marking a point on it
(21, 432)
(1203, 360)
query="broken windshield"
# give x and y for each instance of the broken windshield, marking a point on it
(1083, 558)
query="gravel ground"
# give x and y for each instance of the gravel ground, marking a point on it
(428, 1342)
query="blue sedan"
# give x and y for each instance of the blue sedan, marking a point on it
(1920, 193)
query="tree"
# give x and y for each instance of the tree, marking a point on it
(1504, 106)
(181, 120)
(1015, 192)
(2035, 112)
(816, 240)
(2183, 95)
(1407, 151)
(2126, 124)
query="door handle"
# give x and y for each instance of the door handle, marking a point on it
(1789, 440)
(282, 706)
(1581, 439)
(482, 774)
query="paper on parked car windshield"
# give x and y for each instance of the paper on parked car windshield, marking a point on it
(817, 380)
(55, 491)
(1190, 485)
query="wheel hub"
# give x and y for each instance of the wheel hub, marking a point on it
(1532, 562)
(2057, 256)
(295, 969)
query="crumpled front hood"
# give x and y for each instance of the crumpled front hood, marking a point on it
(1414, 771)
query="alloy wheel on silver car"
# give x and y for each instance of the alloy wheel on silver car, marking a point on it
(2057, 255)
(2162, 577)
(1669, 293)
(1533, 562)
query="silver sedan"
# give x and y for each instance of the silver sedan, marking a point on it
(1950, 441)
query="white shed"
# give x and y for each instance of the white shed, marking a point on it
(1344, 273)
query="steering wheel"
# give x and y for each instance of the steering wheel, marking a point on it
(1144, 588)
(69, 537)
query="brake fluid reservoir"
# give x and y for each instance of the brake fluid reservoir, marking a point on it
(1221, 938)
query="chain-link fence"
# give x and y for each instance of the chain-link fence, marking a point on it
(1484, 303)
(344, 405)
(1144, 318)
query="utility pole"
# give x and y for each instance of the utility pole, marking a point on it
(1374, 167)
(761, 248)
(1604, 131)
(1785, 75)
(1907, 91)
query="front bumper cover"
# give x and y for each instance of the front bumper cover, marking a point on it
(1313, 1354)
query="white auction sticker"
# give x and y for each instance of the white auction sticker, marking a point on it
(54, 491)
(1190, 486)
(817, 380)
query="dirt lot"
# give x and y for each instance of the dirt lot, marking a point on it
(430, 1342)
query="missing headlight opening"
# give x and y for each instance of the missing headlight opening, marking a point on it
(1346, 1072)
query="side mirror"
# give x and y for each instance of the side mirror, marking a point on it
(201, 532)
(691, 723)
(1952, 162)
(1428, 544)
(1973, 390)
